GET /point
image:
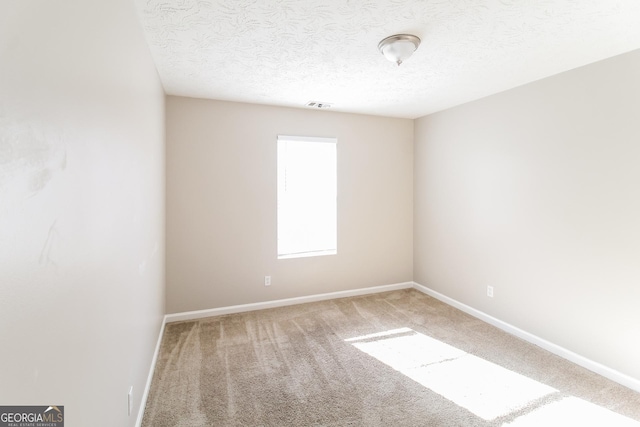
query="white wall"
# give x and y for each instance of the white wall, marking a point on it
(81, 208)
(536, 191)
(221, 203)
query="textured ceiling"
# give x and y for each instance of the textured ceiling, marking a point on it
(289, 52)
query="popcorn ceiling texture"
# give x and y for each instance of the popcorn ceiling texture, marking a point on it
(289, 52)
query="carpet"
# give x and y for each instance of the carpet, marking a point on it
(397, 358)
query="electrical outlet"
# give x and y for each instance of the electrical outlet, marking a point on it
(130, 401)
(267, 280)
(490, 291)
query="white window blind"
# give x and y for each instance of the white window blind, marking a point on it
(307, 196)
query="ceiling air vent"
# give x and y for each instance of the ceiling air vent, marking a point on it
(314, 104)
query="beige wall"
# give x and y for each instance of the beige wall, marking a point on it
(221, 203)
(536, 191)
(81, 208)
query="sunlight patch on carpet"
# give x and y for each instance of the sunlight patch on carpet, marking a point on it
(483, 388)
(572, 411)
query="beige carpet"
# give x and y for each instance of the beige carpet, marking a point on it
(392, 359)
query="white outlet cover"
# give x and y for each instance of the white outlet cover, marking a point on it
(130, 400)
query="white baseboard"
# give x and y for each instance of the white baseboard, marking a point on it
(589, 364)
(596, 367)
(147, 387)
(191, 315)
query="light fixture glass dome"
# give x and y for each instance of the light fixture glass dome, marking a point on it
(399, 47)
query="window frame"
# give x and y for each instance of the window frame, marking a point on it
(310, 251)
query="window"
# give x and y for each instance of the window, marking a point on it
(307, 193)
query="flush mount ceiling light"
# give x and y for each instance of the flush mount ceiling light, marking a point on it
(399, 47)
